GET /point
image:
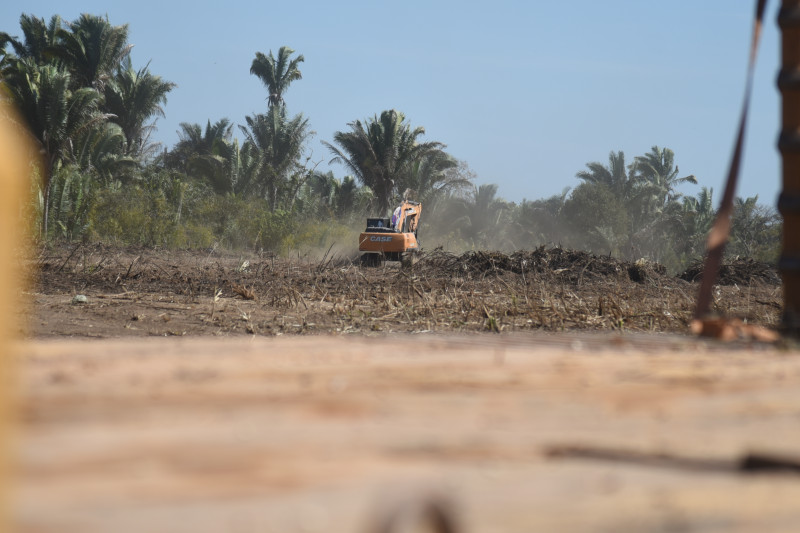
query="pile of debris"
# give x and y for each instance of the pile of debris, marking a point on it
(738, 271)
(576, 265)
(568, 265)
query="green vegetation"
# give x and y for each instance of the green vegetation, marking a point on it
(92, 113)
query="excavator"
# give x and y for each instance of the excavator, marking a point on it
(391, 239)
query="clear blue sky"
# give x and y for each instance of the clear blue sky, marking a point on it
(526, 92)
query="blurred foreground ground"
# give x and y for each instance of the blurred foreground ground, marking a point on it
(321, 434)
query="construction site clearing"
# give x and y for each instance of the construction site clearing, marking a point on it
(545, 390)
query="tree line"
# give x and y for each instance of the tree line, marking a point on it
(102, 177)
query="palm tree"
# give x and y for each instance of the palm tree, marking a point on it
(434, 173)
(339, 198)
(657, 168)
(542, 221)
(597, 218)
(93, 49)
(324, 188)
(698, 216)
(100, 152)
(480, 216)
(755, 229)
(280, 141)
(380, 152)
(71, 200)
(614, 176)
(352, 199)
(245, 166)
(56, 115)
(134, 97)
(657, 213)
(57, 75)
(204, 154)
(38, 41)
(277, 74)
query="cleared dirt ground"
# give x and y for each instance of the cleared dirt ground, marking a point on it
(620, 423)
(147, 292)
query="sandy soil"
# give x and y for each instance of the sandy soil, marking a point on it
(570, 433)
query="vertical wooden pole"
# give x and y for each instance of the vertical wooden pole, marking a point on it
(17, 159)
(789, 145)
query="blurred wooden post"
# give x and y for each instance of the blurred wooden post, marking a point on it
(17, 158)
(789, 145)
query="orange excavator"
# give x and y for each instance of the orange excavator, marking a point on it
(391, 239)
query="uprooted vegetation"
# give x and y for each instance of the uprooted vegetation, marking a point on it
(142, 291)
(738, 271)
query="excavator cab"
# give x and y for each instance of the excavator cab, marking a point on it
(391, 239)
(377, 223)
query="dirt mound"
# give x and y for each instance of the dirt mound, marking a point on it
(571, 265)
(737, 272)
